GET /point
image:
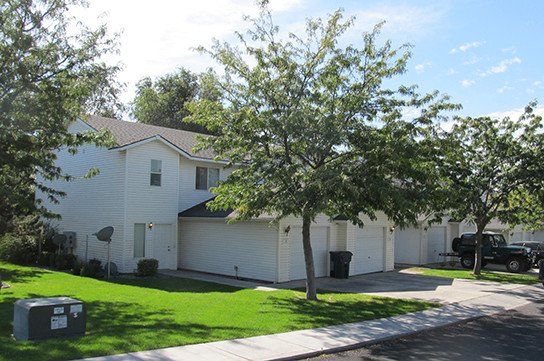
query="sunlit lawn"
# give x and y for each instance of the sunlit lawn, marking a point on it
(128, 315)
(486, 275)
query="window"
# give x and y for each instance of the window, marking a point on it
(206, 177)
(139, 240)
(156, 169)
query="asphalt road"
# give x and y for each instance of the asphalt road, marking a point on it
(515, 335)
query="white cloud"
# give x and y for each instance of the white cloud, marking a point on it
(400, 19)
(467, 46)
(159, 37)
(420, 68)
(466, 83)
(529, 91)
(514, 114)
(504, 88)
(501, 67)
(537, 83)
(452, 71)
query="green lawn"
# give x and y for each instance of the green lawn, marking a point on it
(490, 276)
(128, 315)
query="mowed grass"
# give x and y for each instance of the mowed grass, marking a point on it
(489, 276)
(127, 315)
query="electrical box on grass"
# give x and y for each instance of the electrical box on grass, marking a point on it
(44, 318)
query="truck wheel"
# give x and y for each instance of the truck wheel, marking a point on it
(467, 260)
(455, 244)
(514, 264)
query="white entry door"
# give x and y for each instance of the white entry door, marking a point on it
(163, 246)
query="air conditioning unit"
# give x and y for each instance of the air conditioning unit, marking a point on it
(70, 239)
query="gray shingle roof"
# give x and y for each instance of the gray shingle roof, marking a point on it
(127, 133)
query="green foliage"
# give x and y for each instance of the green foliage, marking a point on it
(487, 164)
(48, 78)
(163, 102)
(92, 269)
(64, 261)
(18, 249)
(147, 267)
(130, 315)
(311, 128)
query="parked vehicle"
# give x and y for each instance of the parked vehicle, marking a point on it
(536, 250)
(494, 250)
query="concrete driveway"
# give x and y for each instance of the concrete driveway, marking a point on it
(401, 284)
(397, 283)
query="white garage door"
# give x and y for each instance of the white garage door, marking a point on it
(320, 249)
(248, 250)
(369, 250)
(435, 244)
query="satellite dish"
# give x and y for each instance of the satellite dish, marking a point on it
(104, 234)
(59, 239)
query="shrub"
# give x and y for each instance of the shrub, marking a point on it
(65, 261)
(78, 265)
(19, 249)
(44, 259)
(147, 267)
(92, 269)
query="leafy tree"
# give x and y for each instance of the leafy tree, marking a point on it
(163, 102)
(48, 78)
(487, 165)
(310, 129)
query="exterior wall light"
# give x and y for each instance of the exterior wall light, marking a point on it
(287, 230)
(150, 225)
(392, 229)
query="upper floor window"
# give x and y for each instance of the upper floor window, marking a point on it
(156, 172)
(206, 177)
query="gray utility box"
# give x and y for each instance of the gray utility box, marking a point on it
(43, 318)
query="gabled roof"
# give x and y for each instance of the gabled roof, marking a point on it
(202, 211)
(128, 134)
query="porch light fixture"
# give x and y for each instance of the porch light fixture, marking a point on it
(287, 229)
(150, 225)
(392, 229)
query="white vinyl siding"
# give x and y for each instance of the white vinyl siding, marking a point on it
(188, 195)
(216, 247)
(91, 204)
(147, 204)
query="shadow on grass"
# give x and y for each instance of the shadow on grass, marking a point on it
(20, 275)
(112, 328)
(328, 311)
(174, 284)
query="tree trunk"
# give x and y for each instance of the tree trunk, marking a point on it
(478, 250)
(311, 292)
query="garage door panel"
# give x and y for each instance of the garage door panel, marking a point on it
(320, 250)
(216, 247)
(369, 250)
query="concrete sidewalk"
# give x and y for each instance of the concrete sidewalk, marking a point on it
(478, 299)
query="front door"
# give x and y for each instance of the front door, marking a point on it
(163, 245)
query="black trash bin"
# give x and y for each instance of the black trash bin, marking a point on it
(340, 264)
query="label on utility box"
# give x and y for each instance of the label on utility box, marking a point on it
(58, 310)
(76, 308)
(58, 322)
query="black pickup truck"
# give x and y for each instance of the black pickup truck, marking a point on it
(494, 250)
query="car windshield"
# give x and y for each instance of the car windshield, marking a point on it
(498, 240)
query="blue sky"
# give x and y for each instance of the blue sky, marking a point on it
(487, 55)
